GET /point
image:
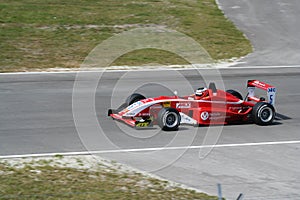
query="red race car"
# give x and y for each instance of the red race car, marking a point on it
(206, 106)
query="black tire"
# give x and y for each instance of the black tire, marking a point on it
(235, 93)
(168, 119)
(263, 113)
(122, 107)
(134, 98)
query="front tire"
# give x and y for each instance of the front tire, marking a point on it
(169, 119)
(263, 113)
(134, 98)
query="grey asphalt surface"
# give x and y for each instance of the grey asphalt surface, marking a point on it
(36, 115)
(271, 25)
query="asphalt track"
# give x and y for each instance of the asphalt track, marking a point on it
(260, 162)
(271, 25)
(36, 117)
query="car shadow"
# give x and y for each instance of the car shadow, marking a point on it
(280, 117)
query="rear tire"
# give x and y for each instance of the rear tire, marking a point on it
(168, 119)
(235, 93)
(263, 113)
(134, 98)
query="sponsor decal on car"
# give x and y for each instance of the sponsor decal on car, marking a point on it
(147, 100)
(211, 116)
(183, 105)
(204, 116)
(259, 83)
(236, 109)
(143, 114)
(134, 105)
(271, 95)
(216, 116)
(271, 89)
(166, 104)
(142, 124)
(187, 119)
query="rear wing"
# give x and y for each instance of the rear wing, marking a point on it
(271, 91)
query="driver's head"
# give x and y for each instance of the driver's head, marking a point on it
(200, 92)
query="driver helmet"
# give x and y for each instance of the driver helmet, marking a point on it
(200, 91)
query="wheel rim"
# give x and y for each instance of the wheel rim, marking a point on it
(266, 114)
(171, 119)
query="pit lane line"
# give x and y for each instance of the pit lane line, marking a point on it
(150, 149)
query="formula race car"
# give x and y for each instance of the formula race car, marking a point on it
(206, 106)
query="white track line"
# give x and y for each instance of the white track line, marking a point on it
(143, 70)
(150, 149)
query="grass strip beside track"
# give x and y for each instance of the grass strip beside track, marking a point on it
(82, 177)
(37, 35)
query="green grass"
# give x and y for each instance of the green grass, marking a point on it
(38, 34)
(39, 179)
